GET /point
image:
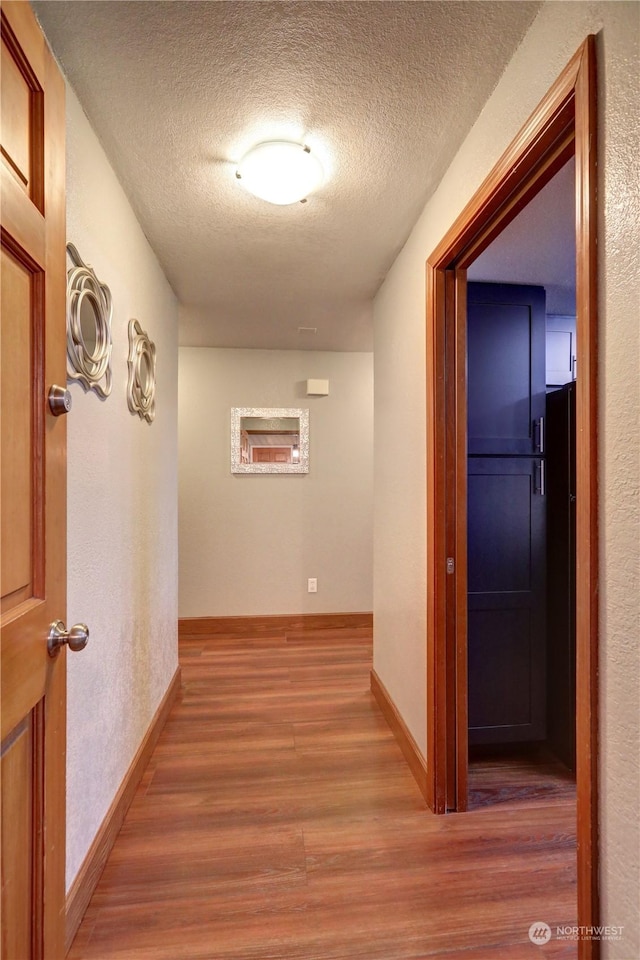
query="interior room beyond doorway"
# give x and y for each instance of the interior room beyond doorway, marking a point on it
(521, 679)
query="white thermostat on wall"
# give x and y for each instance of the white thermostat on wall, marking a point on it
(317, 388)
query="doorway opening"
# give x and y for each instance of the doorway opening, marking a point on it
(563, 126)
(521, 380)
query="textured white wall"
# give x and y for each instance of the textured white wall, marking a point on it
(399, 567)
(248, 543)
(122, 505)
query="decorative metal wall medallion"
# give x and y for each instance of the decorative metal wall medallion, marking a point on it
(89, 310)
(141, 388)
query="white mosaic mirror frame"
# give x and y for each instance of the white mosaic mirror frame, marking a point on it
(269, 413)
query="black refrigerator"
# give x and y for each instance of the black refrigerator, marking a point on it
(561, 573)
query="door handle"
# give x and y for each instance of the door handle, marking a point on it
(77, 637)
(542, 485)
(539, 429)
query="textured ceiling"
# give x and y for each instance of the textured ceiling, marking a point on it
(384, 92)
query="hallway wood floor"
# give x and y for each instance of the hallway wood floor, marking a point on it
(278, 820)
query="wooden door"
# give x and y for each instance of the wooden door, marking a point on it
(32, 182)
(506, 601)
(271, 454)
(506, 368)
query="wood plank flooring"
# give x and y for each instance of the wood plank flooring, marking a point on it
(278, 820)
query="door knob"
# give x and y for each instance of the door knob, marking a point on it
(77, 637)
(59, 400)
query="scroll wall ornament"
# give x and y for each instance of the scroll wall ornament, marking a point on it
(89, 312)
(141, 387)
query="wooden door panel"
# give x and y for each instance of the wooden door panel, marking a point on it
(16, 110)
(506, 368)
(33, 447)
(17, 769)
(22, 138)
(21, 525)
(271, 454)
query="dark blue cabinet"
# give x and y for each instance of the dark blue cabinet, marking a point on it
(506, 513)
(506, 599)
(506, 368)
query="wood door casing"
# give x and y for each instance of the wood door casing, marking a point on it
(562, 125)
(33, 357)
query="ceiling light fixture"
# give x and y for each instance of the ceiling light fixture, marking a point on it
(280, 172)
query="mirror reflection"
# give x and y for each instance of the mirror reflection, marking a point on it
(269, 440)
(88, 325)
(145, 372)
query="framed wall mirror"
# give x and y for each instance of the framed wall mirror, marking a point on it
(141, 385)
(89, 312)
(269, 440)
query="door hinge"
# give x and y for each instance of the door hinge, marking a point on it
(450, 565)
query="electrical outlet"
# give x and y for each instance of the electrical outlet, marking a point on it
(312, 585)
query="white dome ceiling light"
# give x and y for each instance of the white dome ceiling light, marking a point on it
(280, 172)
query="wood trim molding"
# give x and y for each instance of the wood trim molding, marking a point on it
(406, 742)
(190, 628)
(564, 123)
(587, 656)
(536, 139)
(458, 644)
(436, 543)
(85, 882)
